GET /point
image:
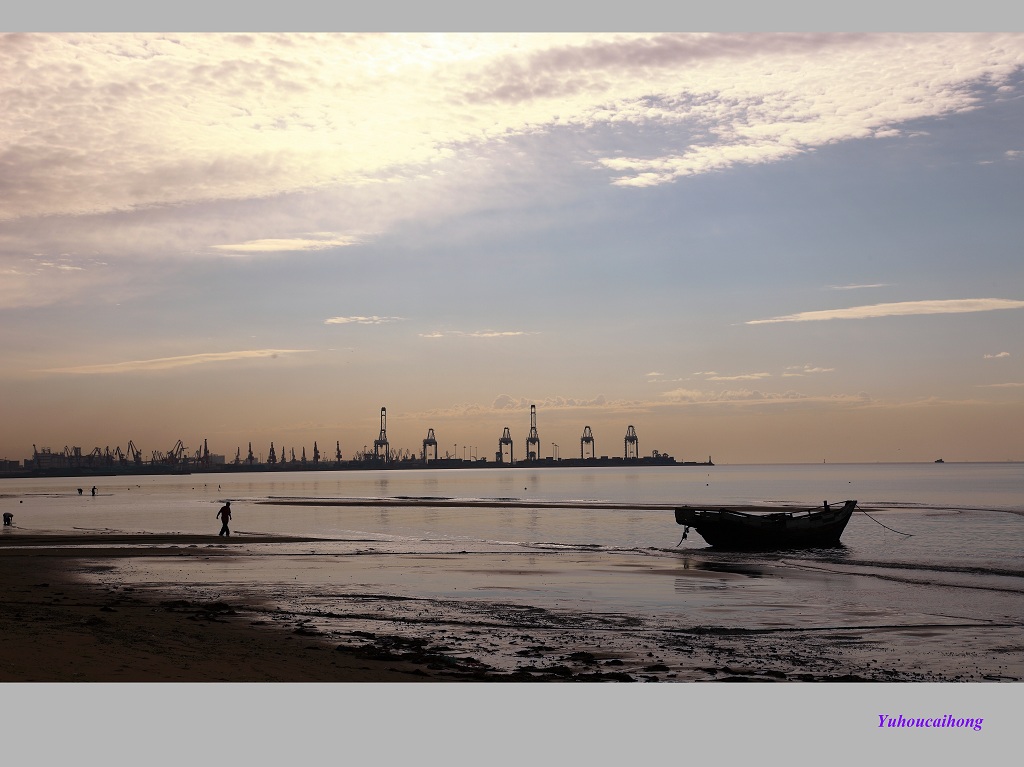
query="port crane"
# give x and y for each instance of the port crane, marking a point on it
(632, 442)
(533, 438)
(587, 439)
(381, 443)
(506, 439)
(73, 456)
(430, 441)
(177, 453)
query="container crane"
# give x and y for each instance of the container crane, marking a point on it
(587, 439)
(533, 438)
(430, 441)
(381, 443)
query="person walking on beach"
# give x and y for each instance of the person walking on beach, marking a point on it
(225, 515)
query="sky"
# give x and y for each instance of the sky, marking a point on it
(761, 248)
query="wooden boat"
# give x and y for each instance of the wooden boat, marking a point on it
(730, 528)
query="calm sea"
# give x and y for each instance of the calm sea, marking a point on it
(968, 515)
(929, 577)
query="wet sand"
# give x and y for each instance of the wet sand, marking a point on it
(189, 608)
(59, 627)
(67, 616)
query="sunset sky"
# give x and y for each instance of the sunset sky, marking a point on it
(766, 247)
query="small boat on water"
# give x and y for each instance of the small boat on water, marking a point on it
(731, 528)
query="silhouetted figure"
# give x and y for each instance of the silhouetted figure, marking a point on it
(79, 491)
(225, 516)
(8, 519)
(94, 491)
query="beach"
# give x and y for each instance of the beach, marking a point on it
(67, 617)
(188, 608)
(57, 627)
(510, 576)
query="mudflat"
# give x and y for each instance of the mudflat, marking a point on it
(180, 607)
(57, 627)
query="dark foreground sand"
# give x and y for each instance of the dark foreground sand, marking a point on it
(56, 628)
(60, 623)
(74, 607)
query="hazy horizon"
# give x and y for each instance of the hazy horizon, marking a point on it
(762, 248)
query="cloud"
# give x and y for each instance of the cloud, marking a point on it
(477, 334)
(712, 376)
(741, 377)
(359, 320)
(803, 370)
(755, 116)
(120, 122)
(1003, 386)
(163, 147)
(729, 395)
(903, 309)
(999, 356)
(294, 244)
(506, 403)
(858, 287)
(167, 363)
(753, 396)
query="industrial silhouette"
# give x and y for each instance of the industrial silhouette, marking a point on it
(74, 462)
(587, 439)
(380, 445)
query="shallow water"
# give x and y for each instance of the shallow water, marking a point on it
(598, 551)
(964, 515)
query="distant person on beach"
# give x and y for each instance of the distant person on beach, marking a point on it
(225, 515)
(8, 519)
(94, 490)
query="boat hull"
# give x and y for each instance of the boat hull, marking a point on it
(726, 528)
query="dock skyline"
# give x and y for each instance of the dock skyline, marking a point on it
(180, 456)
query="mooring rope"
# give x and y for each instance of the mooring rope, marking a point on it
(885, 526)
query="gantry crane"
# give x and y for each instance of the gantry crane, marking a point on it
(533, 438)
(430, 441)
(381, 443)
(587, 439)
(632, 442)
(506, 439)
